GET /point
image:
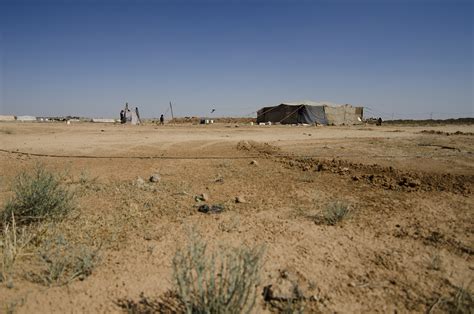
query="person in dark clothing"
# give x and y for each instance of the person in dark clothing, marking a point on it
(162, 120)
(122, 116)
(379, 121)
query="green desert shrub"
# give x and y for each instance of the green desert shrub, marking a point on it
(223, 282)
(38, 195)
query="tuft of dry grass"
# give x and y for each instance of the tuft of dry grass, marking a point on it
(223, 282)
(63, 262)
(461, 303)
(435, 262)
(333, 213)
(12, 245)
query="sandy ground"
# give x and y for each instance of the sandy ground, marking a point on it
(410, 195)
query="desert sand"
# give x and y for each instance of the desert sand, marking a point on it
(406, 246)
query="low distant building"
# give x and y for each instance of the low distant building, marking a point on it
(26, 118)
(7, 118)
(102, 120)
(310, 112)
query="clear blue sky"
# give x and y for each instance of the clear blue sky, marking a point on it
(89, 57)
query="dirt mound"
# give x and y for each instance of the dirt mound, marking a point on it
(376, 175)
(386, 177)
(458, 121)
(446, 133)
(261, 148)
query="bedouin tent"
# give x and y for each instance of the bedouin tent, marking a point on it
(310, 112)
(293, 113)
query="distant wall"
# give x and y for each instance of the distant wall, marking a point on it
(7, 118)
(101, 120)
(26, 118)
(346, 114)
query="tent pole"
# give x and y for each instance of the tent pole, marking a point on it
(171, 107)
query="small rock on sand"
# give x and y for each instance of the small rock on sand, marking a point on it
(240, 199)
(204, 197)
(214, 209)
(155, 177)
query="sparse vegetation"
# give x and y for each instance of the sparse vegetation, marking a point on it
(313, 268)
(223, 282)
(333, 213)
(88, 183)
(6, 131)
(460, 302)
(434, 262)
(63, 262)
(38, 195)
(12, 244)
(10, 307)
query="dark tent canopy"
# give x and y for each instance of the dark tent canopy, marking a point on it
(293, 114)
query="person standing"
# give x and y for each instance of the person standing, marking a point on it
(162, 120)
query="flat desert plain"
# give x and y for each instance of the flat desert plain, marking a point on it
(405, 245)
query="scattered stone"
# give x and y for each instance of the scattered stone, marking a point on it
(155, 178)
(204, 209)
(355, 178)
(240, 199)
(409, 182)
(254, 162)
(140, 181)
(204, 197)
(414, 183)
(319, 167)
(214, 209)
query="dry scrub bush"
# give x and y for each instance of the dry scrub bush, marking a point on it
(461, 303)
(11, 306)
(63, 262)
(37, 196)
(217, 283)
(333, 213)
